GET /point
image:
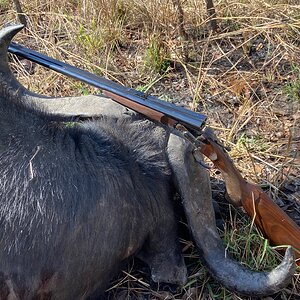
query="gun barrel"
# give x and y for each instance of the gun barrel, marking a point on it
(190, 119)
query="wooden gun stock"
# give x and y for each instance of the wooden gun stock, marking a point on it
(273, 222)
(146, 111)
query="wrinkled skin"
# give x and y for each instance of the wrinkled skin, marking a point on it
(78, 198)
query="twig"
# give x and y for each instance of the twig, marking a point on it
(180, 15)
(183, 34)
(30, 162)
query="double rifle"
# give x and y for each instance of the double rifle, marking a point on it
(273, 222)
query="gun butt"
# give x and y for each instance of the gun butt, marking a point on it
(273, 222)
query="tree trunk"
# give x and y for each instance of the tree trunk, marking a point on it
(21, 15)
(211, 14)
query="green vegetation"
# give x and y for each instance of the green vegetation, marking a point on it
(292, 89)
(253, 143)
(157, 57)
(91, 39)
(4, 5)
(250, 247)
(70, 124)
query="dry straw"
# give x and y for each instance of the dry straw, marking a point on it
(245, 76)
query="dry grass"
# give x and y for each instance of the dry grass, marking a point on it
(245, 77)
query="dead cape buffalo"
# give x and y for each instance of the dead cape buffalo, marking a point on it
(78, 198)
